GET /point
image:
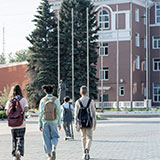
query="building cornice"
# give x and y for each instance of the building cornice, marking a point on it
(57, 3)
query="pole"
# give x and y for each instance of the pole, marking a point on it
(58, 52)
(117, 59)
(101, 70)
(131, 60)
(87, 53)
(147, 107)
(72, 59)
(3, 41)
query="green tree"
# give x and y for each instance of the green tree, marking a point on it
(42, 67)
(4, 96)
(80, 45)
(2, 59)
(19, 56)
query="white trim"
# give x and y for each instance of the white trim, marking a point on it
(104, 88)
(153, 42)
(137, 15)
(13, 64)
(103, 70)
(155, 25)
(102, 6)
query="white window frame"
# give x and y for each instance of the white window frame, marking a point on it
(137, 39)
(157, 88)
(121, 89)
(101, 19)
(138, 62)
(103, 49)
(157, 17)
(105, 70)
(154, 39)
(158, 64)
(137, 15)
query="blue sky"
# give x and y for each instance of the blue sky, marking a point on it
(16, 17)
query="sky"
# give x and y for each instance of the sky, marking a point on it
(16, 17)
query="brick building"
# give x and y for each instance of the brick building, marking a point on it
(128, 66)
(11, 74)
(129, 51)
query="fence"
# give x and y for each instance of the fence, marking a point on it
(122, 104)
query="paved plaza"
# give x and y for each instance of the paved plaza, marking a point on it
(114, 139)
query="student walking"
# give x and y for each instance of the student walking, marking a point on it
(16, 107)
(85, 120)
(67, 117)
(49, 121)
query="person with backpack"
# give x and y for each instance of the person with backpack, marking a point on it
(85, 120)
(67, 117)
(16, 107)
(49, 121)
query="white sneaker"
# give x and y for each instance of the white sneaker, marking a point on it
(14, 158)
(18, 156)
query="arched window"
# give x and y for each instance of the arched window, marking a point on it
(103, 19)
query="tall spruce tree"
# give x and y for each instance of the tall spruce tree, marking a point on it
(80, 45)
(42, 67)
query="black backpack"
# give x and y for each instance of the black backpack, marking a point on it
(67, 114)
(84, 116)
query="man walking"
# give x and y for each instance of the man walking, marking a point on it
(85, 120)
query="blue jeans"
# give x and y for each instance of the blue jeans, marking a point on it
(50, 136)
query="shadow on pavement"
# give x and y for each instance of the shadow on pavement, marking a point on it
(106, 141)
(105, 159)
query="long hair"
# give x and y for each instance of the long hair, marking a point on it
(15, 91)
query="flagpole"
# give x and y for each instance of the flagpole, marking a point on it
(87, 53)
(72, 58)
(58, 52)
(117, 59)
(101, 71)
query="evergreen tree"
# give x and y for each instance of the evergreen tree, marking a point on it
(2, 59)
(42, 67)
(80, 45)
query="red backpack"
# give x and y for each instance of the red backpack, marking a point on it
(15, 113)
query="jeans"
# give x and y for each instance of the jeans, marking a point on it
(67, 128)
(18, 141)
(50, 136)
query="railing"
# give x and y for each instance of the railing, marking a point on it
(122, 104)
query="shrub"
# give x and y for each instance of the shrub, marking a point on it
(3, 114)
(4, 96)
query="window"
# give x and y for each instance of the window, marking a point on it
(103, 20)
(156, 92)
(122, 91)
(103, 49)
(137, 40)
(104, 74)
(137, 15)
(156, 64)
(156, 42)
(137, 62)
(157, 13)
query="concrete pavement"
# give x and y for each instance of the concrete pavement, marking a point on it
(114, 139)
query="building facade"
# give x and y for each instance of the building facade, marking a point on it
(128, 66)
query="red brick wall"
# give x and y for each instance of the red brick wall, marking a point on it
(13, 74)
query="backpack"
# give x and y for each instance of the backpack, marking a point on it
(84, 116)
(67, 114)
(50, 112)
(15, 113)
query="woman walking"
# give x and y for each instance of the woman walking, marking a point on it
(49, 120)
(17, 105)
